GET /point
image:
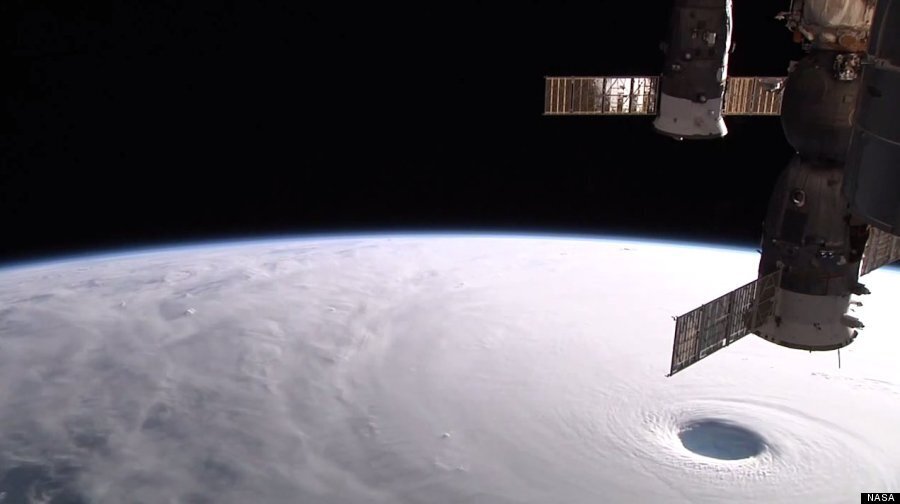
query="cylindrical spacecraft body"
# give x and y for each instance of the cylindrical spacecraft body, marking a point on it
(872, 179)
(809, 235)
(807, 231)
(692, 86)
(818, 104)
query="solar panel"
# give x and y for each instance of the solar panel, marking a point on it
(722, 321)
(759, 96)
(631, 95)
(600, 95)
(882, 248)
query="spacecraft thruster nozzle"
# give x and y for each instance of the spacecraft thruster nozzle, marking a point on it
(810, 235)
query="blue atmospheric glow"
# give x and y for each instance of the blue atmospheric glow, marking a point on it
(132, 252)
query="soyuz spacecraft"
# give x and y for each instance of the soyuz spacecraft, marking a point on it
(834, 214)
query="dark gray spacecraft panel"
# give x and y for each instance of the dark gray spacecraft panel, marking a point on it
(872, 179)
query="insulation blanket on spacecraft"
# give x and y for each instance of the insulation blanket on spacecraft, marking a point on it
(837, 13)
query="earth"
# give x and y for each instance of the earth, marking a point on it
(425, 368)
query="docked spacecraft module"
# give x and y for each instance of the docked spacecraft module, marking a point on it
(834, 213)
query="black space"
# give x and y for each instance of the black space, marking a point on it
(135, 123)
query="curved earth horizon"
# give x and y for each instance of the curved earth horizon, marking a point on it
(411, 368)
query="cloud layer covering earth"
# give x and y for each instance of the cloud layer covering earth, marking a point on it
(406, 369)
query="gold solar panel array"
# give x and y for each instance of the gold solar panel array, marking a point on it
(759, 96)
(633, 95)
(600, 95)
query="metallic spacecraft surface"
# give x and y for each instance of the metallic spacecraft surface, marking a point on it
(873, 161)
(834, 213)
(692, 87)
